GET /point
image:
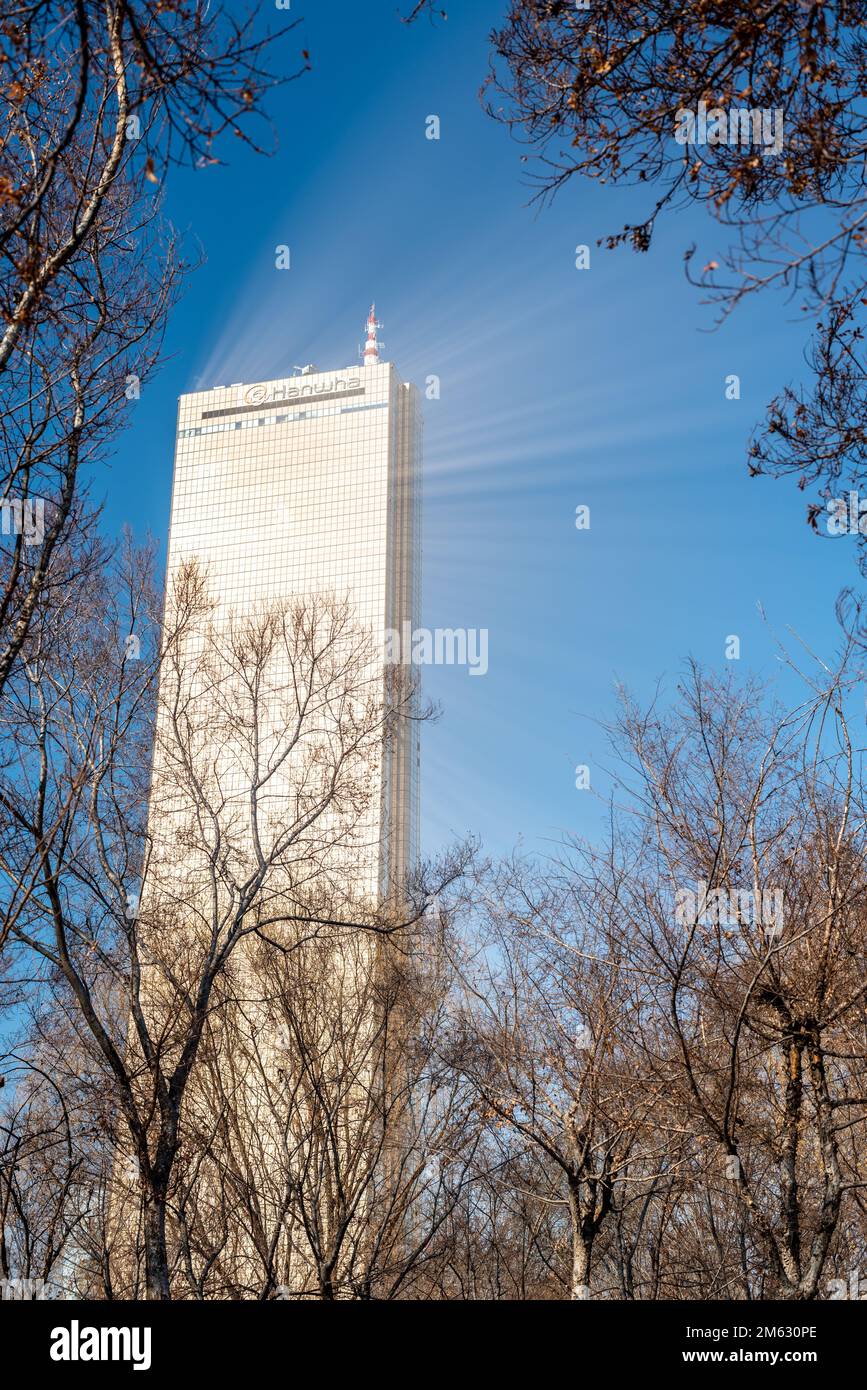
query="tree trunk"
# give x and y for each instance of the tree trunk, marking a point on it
(580, 1287)
(581, 1249)
(156, 1252)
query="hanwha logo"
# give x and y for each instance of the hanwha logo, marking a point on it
(255, 395)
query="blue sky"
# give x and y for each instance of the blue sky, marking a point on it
(559, 387)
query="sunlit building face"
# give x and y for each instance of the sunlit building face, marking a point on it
(307, 486)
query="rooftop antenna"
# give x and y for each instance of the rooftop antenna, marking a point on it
(371, 347)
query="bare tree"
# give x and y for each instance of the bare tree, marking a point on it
(42, 1177)
(101, 97)
(331, 1144)
(632, 1071)
(137, 895)
(752, 112)
(669, 1029)
(743, 910)
(545, 1042)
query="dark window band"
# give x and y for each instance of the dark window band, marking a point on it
(294, 403)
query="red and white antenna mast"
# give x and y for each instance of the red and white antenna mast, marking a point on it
(371, 347)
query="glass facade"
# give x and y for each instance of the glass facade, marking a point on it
(305, 487)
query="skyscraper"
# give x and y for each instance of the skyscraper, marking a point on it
(307, 485)
(282, 819)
